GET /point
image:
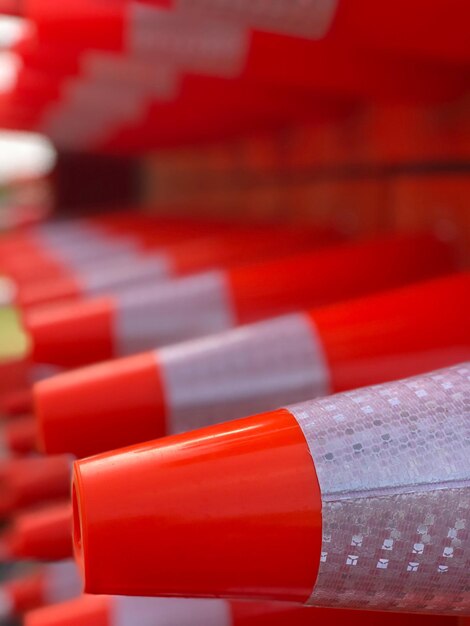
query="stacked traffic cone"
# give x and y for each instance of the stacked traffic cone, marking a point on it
(256, 367)
(356, 500)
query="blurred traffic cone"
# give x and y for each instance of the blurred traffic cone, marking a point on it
(29, 481)
(121, 611)
(256, 368)
(157, 315)
(358, 500)
(47, 584)
(162, 262)
(43, 534)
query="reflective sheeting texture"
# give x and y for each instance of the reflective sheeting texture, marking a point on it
(170, 612)
(61, 581)
(243, 371)
(305, 18)
(393, 463)
(172, 311)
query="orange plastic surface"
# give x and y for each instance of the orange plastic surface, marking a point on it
(232, 510)
(396, 334)
(71, 334)
(101, 407)
(337, 273)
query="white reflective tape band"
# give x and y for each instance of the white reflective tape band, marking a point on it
(63, 234)
(311, 19)
(169, 612)
(85, 248)
(119, 274)
(90, 111)
(393, 462)
(190, 40)
(243, 371)
(61, 581)
(7, 605)
(99, 97)
(172, 311)
(157, 79)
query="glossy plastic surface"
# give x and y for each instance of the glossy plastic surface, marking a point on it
(396, 334)
(161, 518)
(46, 291)
(101, 407)
(336, 273)
(71, 334)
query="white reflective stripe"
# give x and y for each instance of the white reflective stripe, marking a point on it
(172, 311)
(190, 40)
(84, 248)
(65, 233)
(169, 612)
(119, 274)
(6, 604)
(115, 90)
(61, 581)
(298, 18)
(91, 111)
(247, 370)
(393, 463)
(155, 78)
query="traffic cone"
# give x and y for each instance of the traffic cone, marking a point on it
(156, 315)
(113, 611)
(18, 437)
(358, 500)
(161, 262)
(43, 534)
(255, 368)
(72, 259)
(27, 482)
(47, 584)
(245, 36)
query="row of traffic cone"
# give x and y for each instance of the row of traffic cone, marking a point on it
(356, 501)
(203, 70)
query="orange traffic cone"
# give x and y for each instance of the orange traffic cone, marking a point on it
(43, 534)
(256, 368)
(81, 333)
(359, 500)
